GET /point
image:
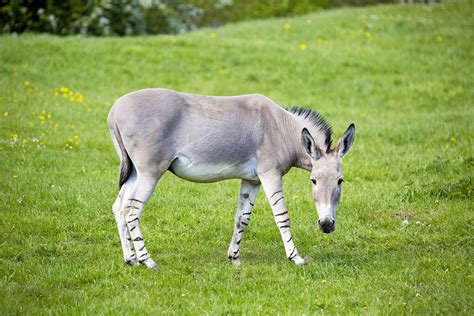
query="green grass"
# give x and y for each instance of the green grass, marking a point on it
(402, 74)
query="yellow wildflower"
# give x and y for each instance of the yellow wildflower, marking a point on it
(49, 115)
(79, 97)
(302, 46)
(15, 176)
(76, 136)
(286, 26)
(367, 34)
(5, 113)
(26, 83)
(69, 94)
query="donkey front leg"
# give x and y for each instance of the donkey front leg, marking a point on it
(247, 196)
(132, 208)
(272, 184)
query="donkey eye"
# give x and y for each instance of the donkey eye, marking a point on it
(314, 181)
(340, 181)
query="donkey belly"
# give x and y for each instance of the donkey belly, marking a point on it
(198, 171)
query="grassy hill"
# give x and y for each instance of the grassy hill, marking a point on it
(402, 74)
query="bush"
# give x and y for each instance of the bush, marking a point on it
(95, 17)
(134, 17)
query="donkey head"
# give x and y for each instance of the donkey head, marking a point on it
(326, 176)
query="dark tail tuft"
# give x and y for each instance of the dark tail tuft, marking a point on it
(126, 165)
(125, 168)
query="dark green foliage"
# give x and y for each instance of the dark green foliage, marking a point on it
(49, 16)
(95, 17)
(135, 17)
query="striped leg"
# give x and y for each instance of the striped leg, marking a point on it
(132, 208)
(272, 184)
(127, 248)
(248, 194)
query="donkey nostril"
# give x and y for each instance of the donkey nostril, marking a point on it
(327, 223)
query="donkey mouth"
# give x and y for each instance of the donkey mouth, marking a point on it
(327, 228)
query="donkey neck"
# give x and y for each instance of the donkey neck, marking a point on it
(295, 126)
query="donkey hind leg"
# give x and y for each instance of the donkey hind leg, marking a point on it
(132, 207)
(127, 248)
(247, 196)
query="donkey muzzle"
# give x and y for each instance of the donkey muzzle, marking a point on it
(327, 225)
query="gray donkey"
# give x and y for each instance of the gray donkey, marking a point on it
(208, 139)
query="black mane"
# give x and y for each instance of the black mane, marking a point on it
(317, 121)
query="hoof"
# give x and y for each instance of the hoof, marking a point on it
(233, 256)
(235, 262)
(131, 262)
(150, 264)
(299, 261)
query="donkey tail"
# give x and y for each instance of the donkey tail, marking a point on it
(126, 165)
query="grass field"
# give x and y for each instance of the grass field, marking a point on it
(402, 74)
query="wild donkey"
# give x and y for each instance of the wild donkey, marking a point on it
(208, 139)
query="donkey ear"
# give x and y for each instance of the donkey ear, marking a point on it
(346, 141)
(309, 145)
